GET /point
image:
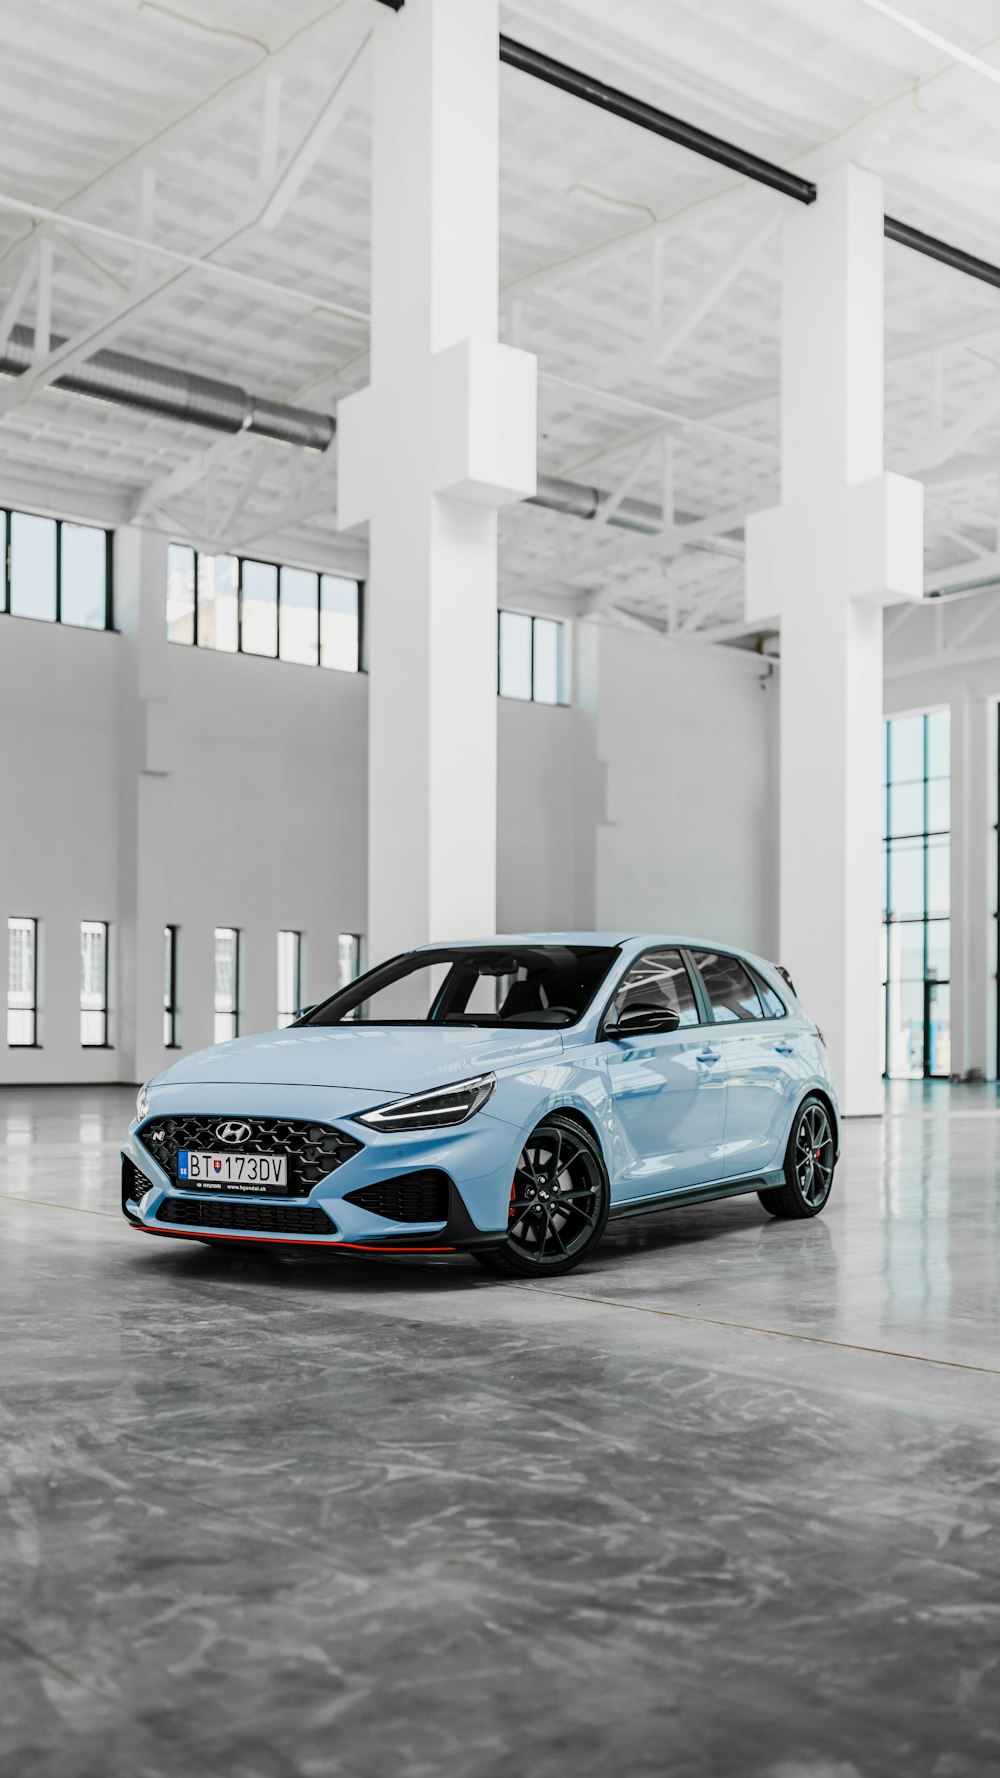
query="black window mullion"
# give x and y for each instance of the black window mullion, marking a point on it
(239, 604)
(362, 587)
(319, 621)
(6, 565)
(277, 614)
(59, 531)
(109, 580)
(197, 598)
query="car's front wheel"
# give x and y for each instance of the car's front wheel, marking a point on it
(559, 1202)
(809, 1162)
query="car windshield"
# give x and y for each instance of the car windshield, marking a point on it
(519, 985)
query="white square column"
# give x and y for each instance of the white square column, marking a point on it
(846, 540)
(442, 437)
(140, 580)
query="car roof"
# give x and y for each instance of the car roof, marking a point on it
(639, 939)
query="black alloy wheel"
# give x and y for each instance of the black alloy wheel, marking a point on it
(559, 1202)
(810, 1159)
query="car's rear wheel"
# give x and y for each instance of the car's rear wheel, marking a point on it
(559, 1202)
(810, 1159)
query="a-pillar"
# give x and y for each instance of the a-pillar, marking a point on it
(441, 438)
(846, 540)
(140, 585)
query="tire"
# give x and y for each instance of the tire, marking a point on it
(810, 1158)
(546, 1238)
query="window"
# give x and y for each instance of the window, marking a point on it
(22, 983)
(530, 985)
(55, 571)
(180, 594)
(349, 957)
(259, 629)
(532, 658)
(917, 896)
(227, 983)
(289, 976)
(658, 979)
(774, 1008)
(242, 606)
(94, 984)
(728, 986)
(170, 1014)
(218, 603)
(84, 576)
(339, 623)
(298, 617)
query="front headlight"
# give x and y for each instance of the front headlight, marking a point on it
(142, 1102)
(433, 1110)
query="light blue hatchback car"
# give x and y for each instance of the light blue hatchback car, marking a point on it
(501, 1098)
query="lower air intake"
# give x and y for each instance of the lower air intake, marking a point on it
(259, 1219)
(409, 1197)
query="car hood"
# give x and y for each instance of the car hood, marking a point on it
(373, 1058)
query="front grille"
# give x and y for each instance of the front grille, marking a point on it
(313, 1150)
(263, 1219)
(409, 1197)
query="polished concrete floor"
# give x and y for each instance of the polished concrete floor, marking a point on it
(726, 1501)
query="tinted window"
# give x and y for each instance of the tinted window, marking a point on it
(773, 1007)
(658, 979)
(530, 985)
(729, 988)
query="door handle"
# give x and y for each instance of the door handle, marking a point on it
(708, 1055)
(785, 1049)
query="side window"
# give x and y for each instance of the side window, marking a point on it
(729, 988)
(659, 979)
(773, 1007)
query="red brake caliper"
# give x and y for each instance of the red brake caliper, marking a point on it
(513, 1195)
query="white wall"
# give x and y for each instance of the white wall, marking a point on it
(58, 815)
(687, 737)
(146, 784)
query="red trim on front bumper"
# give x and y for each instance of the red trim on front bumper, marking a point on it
(290, 1241)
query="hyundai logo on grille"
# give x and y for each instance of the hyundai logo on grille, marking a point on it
(233, 1132)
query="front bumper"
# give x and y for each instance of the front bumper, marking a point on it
(477, 1158)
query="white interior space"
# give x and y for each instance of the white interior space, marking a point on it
(506, 467)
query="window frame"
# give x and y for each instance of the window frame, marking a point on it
(290, 1014)
(652, 951)
(34, 1044)
(171, 1010)
(105, 1008)
(731, 1024)
(280, 568)
(237, 1009)
(925, 920)
(706, 1009)
(7, 513)
(563, 701)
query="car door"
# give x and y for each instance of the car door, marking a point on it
(669, 1090)
(759, 1058)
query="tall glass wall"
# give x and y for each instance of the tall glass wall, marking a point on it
(917, 896)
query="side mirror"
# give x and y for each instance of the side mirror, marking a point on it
(644, 1021)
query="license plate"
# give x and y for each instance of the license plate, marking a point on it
(255, 1174)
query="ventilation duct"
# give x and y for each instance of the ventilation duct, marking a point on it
(175, 394)
(150, 388)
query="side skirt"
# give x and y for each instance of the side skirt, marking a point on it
(699, 1194)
